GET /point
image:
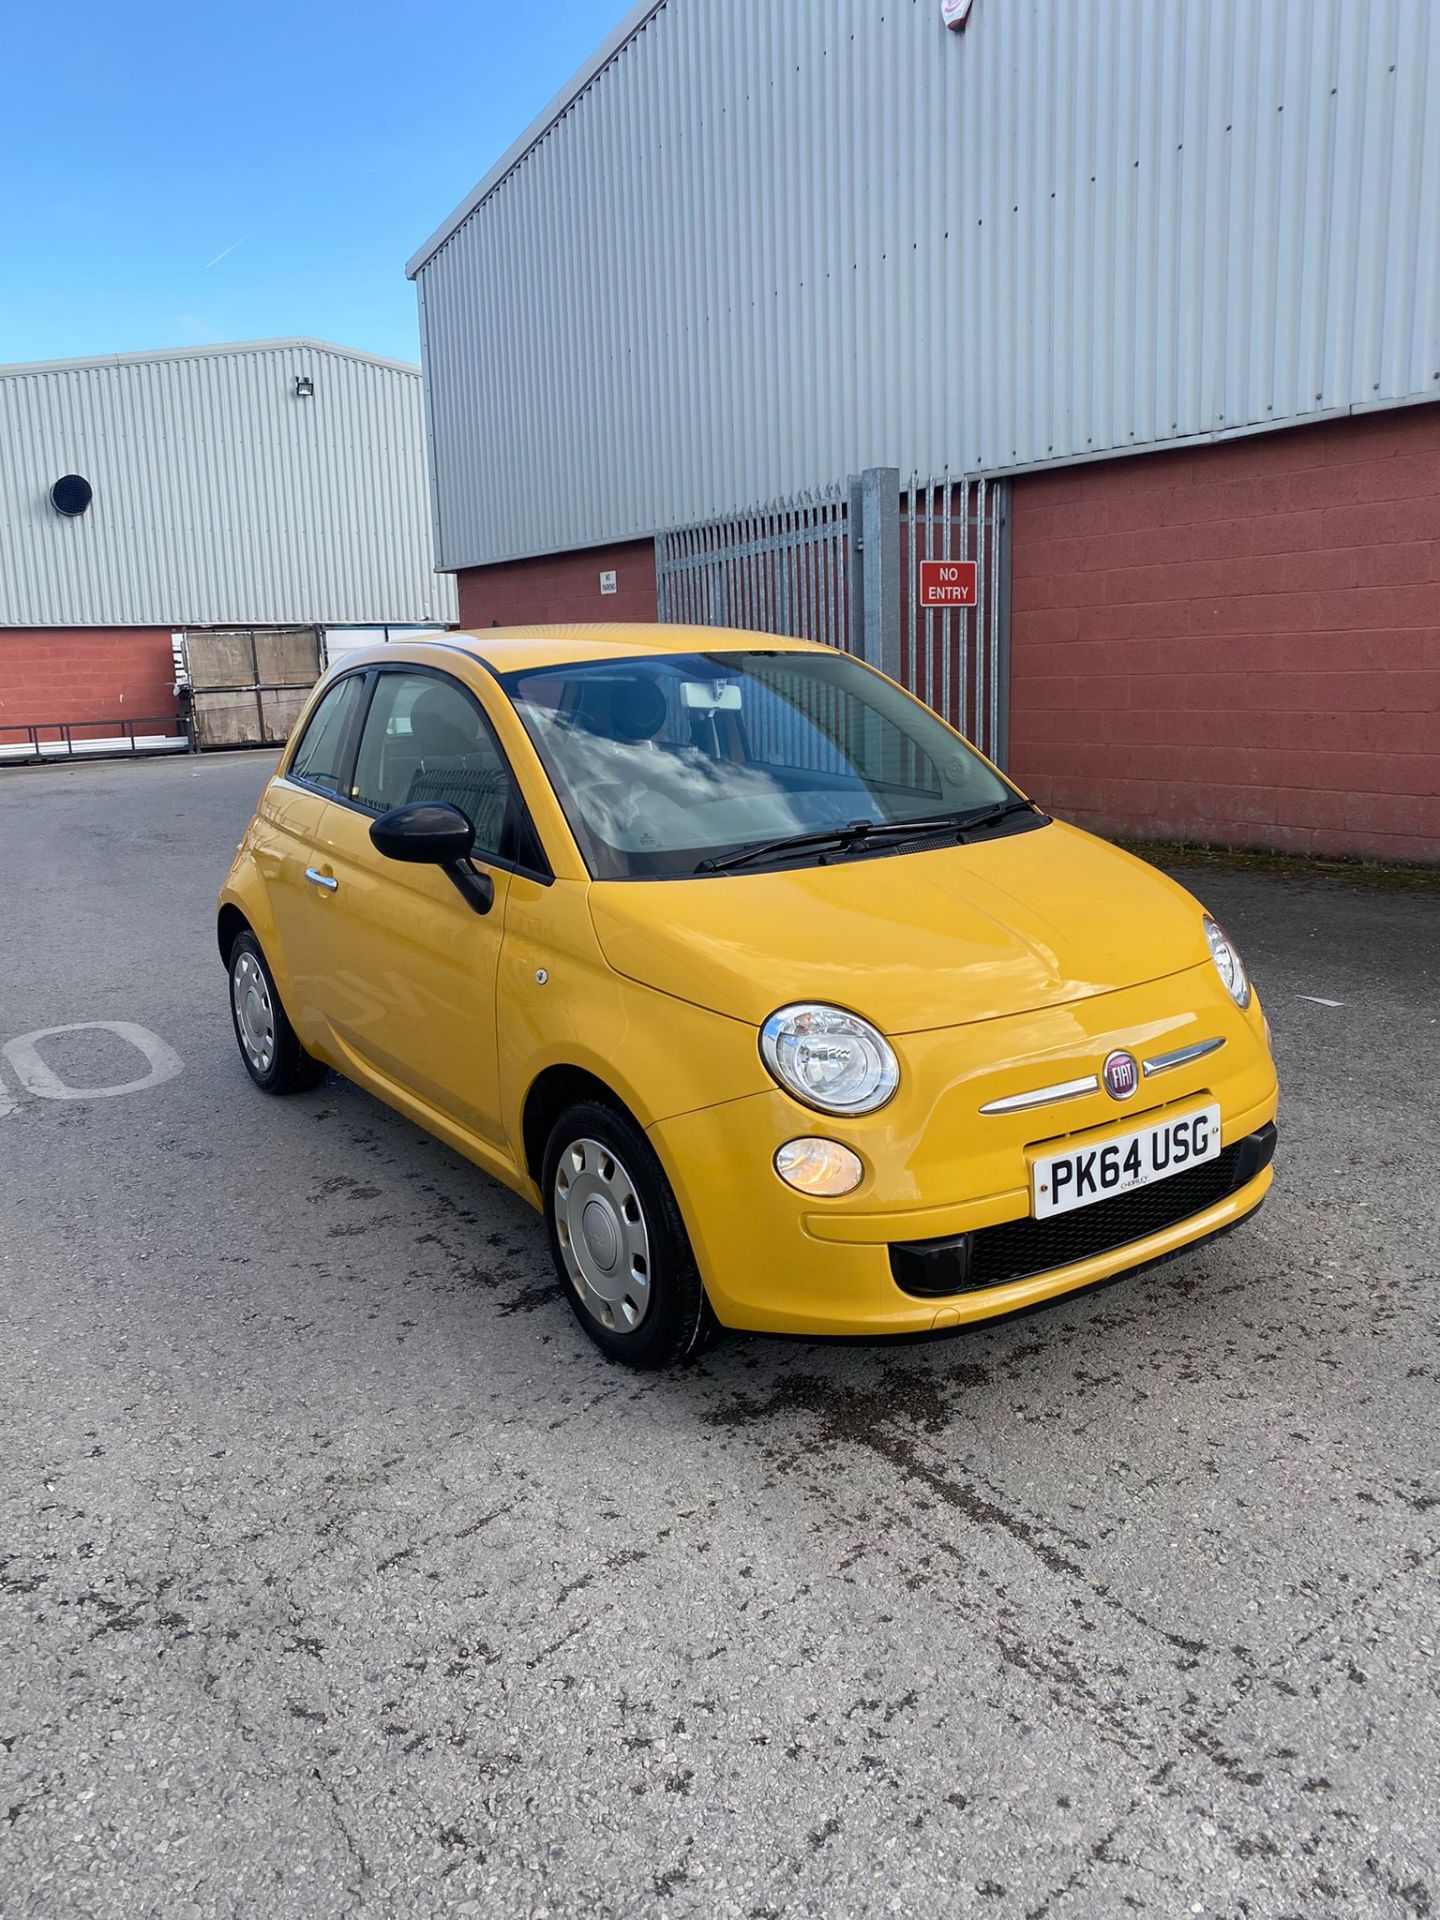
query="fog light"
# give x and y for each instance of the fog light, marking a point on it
(812, 1165)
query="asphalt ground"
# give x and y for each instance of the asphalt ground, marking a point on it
(340, 1575)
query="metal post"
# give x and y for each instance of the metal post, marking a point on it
(259, 697)
(875, 581)
(1000, 746)
(786, 622)
(855, 565)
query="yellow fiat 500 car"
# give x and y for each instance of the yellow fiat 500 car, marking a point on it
(780, 1002)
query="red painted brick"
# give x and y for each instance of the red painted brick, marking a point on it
(1399, 565)
(1040, 726)
(1415, 814)
(1058, 590)
(1255, 639)
(1148, 508)
(1319, 569)
(84, 674)
(1327, 486)
(1403, 476)
(1415, 693)
(561, 587)
(1381, 522)
(1099, 623)
(1384, 607)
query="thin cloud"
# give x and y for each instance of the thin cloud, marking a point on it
(226, 250)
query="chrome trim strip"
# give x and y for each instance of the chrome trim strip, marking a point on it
(1182, 1056)
(1043, 1096)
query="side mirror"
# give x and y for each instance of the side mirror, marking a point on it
(426, 833)
(423, 833)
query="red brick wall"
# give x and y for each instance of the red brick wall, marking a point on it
(1238, 643)
(561, 586)
(83, 674)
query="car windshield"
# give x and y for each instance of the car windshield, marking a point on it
(674, 764)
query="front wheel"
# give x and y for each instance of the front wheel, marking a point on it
(618, 1241)
(273, 1056)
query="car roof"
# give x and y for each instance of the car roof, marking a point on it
(523, 649)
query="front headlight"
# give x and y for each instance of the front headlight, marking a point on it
(1228, 963)
(830, 1059)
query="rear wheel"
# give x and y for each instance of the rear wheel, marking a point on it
(618, 1241)
(273, 1056)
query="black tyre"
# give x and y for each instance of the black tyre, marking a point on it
(274, 1058)
(618, 1241)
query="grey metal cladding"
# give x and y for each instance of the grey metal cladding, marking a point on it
(220, 497)
(766, 245)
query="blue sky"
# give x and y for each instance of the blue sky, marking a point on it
(174, 175)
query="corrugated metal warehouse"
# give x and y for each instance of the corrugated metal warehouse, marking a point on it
(215, 498)
(755, 250)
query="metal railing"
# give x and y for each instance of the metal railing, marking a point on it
(777, 568)
(48, 740)
(845, 567)
(956, 659)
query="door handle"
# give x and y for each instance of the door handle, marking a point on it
(318, 879)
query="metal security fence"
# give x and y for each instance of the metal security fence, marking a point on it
(778, 568)
(955, 559)
(915, 580)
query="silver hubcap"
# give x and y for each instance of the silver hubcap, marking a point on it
(254, 1011)
(603, 1238)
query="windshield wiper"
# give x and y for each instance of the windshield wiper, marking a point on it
(835, 839)
(1000, 810)
(943, 822)
(862, 833)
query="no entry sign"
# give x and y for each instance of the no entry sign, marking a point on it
(947, 583)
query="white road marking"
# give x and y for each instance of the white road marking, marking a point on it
(42, 1081)
(1315, 998)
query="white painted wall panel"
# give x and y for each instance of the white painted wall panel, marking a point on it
(770, 242)
(220, 498)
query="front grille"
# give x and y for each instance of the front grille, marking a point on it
(1018, 1249)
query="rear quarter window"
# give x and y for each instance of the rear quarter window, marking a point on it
(317, 760)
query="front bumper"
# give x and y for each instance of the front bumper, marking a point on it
(1022, 1249)
(944, 1177)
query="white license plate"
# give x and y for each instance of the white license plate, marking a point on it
(1081, 1175)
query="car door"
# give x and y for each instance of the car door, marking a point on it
(411, 966)
(286, 826)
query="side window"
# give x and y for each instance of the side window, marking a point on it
(317, 758)
(424, 739)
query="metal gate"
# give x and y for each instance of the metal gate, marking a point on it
(956, 658)
(246, 685)
(844, 567)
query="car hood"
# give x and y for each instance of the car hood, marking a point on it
(910, 941)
